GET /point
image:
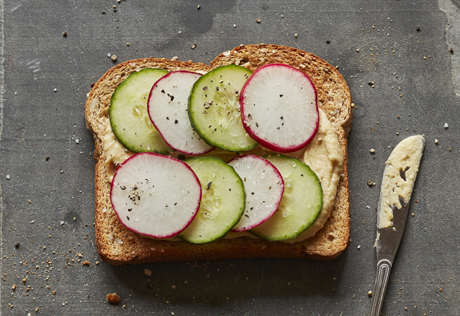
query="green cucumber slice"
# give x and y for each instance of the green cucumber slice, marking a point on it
(214, 108)
(128, 114)
(301, 203)
(222, 200)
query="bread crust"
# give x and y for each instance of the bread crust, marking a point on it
(118, 245)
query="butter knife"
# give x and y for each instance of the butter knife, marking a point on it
(398, 181)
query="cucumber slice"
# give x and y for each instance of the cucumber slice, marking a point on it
(128, 114)
(302, 201)
(222, 202)
(214, 108)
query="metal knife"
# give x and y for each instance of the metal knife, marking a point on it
(398, 181)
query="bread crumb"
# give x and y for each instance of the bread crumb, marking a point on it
(113, 57)
(86, 263)
(148, 272)
(369, 293)
(258, 20)
(113, 298)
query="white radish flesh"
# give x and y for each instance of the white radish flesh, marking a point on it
(279, 108)
(155, 195)
(264, 188)
(167, 108)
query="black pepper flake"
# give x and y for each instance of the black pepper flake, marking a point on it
(217, 88)
(328, 41)
(207, 105)
(162, 91)
(208, 186)
(301, 175)
(171, 97)
(257, 124)
(205, 88)
(281, 118)
(167, 118)
(181, 157)
(418, 28)
(135, 187)
(16, 244)
(251, 208)
(130, 209)
(47, 158)
(281, 95)
(246, 215)
(176, 121)
(122, 187)
(127, 217)
(229, 189)
(252, 193)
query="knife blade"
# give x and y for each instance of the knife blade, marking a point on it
(397, 184)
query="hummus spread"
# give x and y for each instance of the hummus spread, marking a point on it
(399, 177)
(323, 154)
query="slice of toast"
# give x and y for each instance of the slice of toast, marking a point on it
(118, 245)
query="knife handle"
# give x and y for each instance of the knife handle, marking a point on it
(380, 288)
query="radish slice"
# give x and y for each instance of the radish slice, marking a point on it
(155, 195)
(279, 109)
(264, 188)
(167, 107)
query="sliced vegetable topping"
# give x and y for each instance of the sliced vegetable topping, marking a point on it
(128, 113)
(279, 110)
(214, 108)
(264, 187)
(302, 201)
(155, 195)
(222, 204)
(167, 108)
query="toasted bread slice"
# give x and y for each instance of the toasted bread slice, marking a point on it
(118, 245)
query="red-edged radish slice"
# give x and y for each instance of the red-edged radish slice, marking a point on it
(264, 188)
(155, 195)
(167, 107)
(279, 109)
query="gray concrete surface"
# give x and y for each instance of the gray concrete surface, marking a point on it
(47, 203)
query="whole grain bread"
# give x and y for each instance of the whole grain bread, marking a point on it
(118, 245)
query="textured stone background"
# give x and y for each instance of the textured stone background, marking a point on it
(47, 204)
